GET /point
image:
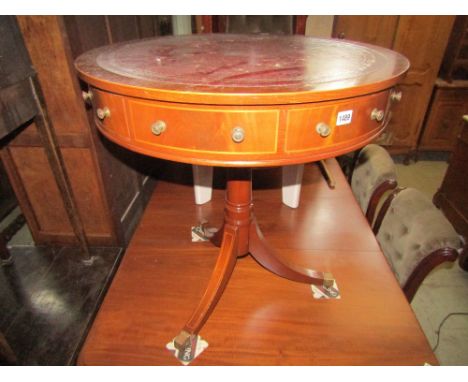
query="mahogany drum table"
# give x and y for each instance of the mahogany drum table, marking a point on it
(241, 101)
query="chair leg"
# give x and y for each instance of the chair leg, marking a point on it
(292, 182)
(202, 183)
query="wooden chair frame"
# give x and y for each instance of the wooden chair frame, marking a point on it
(387, 185)
(427, 264)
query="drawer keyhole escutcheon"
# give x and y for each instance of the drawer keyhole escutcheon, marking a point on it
(377, 115)
(238, 134)
(158, 127)
(103, 113)
(323, 129)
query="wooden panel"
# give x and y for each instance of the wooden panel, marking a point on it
(15, 65)
(16, 99)
(376, 30)
(455, 63)
(45, 39)
(146, 26)
(47, 217)
(452, 197)
(88, 194)
(416, 40)
(41, 190)
(85, 33)
(445, 121)
(122, 28)
(17, 106)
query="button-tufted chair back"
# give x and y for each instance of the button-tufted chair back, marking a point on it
(373, 175)
(415, 237)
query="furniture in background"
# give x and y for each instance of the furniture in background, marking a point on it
(110, 187)
(23, 101)
(260, 319)
(17, 104)
(373, 175)
(450, 99)
(452, 196)
(415, 237)
(444, 120)
(455, 65)
(423, 40)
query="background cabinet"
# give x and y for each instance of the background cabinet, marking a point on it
(422, 39)
(110, 186)
(444, 121)
(450, 99)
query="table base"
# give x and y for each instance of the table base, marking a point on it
(239, 236)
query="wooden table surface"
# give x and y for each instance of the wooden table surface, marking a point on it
(229, 69)
(261, 319)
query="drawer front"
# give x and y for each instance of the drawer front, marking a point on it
(198, 129)
(348, 121)
(113, 122)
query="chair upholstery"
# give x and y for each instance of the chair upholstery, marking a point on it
(373, 174)
(411, 231)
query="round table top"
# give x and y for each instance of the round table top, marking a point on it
(241, 69)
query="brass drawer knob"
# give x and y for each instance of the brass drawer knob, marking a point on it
(238, 134)
(323, 129)
(377, 115)
(87, 96)
(395, 96)
(158, 127)
(103, 113)
(465, 117)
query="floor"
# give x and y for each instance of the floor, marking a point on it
(48, 298)
(444, 291)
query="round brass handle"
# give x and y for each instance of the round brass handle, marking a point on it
(341, 35)
(377, 115)
(238, 134)
(465, 117)
(158, 127)
(323, 129)
(103, 113)
(395, 96)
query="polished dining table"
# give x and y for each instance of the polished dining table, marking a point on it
(242, 102)
(261, 319)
